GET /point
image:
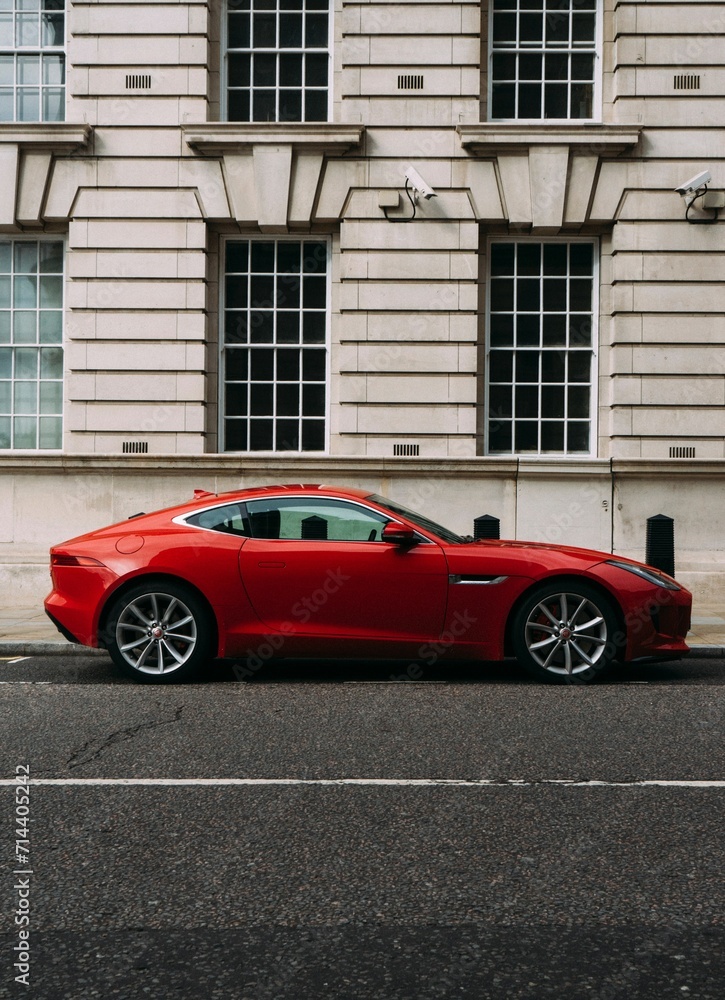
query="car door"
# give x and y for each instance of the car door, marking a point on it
(318, 566)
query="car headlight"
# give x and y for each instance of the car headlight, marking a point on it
(647, 573)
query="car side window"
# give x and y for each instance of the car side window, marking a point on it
(304, 519)
(230, 519)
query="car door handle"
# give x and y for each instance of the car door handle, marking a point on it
(271, 565)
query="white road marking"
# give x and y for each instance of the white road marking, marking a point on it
(384, 782)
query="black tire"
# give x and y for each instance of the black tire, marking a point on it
(566, 632)
(159, 632)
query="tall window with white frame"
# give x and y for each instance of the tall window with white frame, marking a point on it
(277, 60)
(541, 348)
(32, 60)
(274, 349)
(31, 348)
(543, 59)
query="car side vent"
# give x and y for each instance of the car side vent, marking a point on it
(410, 81)
(135, 447)
(687, 81)
(138, 81)
(682, 451)
(406, 450)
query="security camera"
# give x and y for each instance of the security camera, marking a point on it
(418, 184)
(688, 188)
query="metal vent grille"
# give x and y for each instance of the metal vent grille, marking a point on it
(682, 451)
(410, 81)
(687, 81)
(406, 450)
(138, 81)
(135, 447)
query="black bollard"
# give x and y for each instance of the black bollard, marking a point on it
(661, 543)
(486, 526)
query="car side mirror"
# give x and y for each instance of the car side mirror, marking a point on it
(398, 534)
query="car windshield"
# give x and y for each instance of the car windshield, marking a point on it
(423, 522)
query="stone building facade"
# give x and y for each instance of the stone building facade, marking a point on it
(216, 271)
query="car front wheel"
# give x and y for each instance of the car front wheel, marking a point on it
(159, 633)
(566, 632)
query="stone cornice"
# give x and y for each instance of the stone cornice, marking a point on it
(321, 467)
(604, 140)
(236, 137)
(59, 137)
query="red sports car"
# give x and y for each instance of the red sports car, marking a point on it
(321, 571)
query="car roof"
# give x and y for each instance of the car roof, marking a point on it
(292, 488)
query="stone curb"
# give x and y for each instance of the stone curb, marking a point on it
(11, 647)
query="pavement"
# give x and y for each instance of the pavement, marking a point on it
(29, 632)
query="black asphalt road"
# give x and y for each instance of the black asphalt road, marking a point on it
(520, 888)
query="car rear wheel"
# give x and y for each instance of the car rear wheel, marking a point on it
(566, 632)
(159, 632)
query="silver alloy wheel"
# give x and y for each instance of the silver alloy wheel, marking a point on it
(156, 633)
(566, 634)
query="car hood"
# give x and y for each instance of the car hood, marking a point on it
(509, 558)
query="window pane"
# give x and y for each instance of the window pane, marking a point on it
(238, 29)
(316, 70)
(25, 291)
(313, 435)
(25, 327)
(265, 70)
(27, 30)
(50, 432)
(235, 435)
(51, 293)
(316, 31)
(28, 105)
(290, 106)
(25, 258)
(51, 397)
(239, 106)
(316, 106)
(53, 30)
(264, 31)
(502, 330)
(290, 30)
(28, 70)
(26, 397)
(51, 362)
(6, 31)
(239, 68)
(526, 435)
(552, 435)
(25, 432)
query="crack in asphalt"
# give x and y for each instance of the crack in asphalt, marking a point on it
(92, 749)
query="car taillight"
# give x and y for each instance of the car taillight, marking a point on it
(57, 559)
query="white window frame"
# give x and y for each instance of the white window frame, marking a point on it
(224, 95)
(596, 97)
(40, 51)
(37, 344)
(594, 386)
(221, 390)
